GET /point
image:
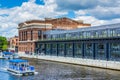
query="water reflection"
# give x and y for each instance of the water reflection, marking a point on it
(59, 71)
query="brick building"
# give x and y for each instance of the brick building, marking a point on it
(31, 31)
(66, 23)
(13, 43)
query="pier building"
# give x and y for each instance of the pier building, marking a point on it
(96, 42)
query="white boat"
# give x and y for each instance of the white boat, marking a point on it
(15, 55)
(1, 55)
(21, 67)
(7, 55)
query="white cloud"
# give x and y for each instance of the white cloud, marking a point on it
(85, 4)
(80, 12)
(101, 9)
(105, 13)
(10, 18)
(90, 19)
(27, 11)
(100, 15)
(32, 1)
(96, 22)
(10, 33)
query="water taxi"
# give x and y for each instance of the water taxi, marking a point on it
(21, 67)
(7, 55)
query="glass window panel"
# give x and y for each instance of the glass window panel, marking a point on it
(88, 50)
(114, 32)
(115, 51)
(102, 33)
(68, 35)
(110, 33)
(88, 35)
(100, 51)
(54, 49)
(61, 49)
(118, 32)
(48, 49)
(78, 49)
(84, 34)
(69, 49)
(80, 35)
(94, 34)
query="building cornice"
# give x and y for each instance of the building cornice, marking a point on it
(27, 41)
(36, 26)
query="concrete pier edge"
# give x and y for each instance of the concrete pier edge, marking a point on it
(112, 65)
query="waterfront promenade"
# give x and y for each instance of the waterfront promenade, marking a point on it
(114, 65)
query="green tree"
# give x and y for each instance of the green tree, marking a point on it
(4, 47)
(3, 43)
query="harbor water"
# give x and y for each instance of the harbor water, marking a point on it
(59, 71)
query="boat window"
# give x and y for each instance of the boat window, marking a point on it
(22, 65)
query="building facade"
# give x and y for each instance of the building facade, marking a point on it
(13, 43)
(99, 42)
(32, 31)
(29, 33)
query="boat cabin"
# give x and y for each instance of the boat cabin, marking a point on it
(7, 55)
(20, 67)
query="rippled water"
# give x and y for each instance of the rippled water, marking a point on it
(59, 71)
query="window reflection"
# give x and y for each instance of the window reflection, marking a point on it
(88, 50)
(78, 49)
(69, 49)
(100, 52)
(61, 49)
(115, 51)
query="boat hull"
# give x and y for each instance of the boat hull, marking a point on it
(25, 73)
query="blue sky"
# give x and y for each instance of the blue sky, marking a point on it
(11, 3)
(95, 12)
(14, 3)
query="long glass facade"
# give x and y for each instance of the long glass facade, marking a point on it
(99, 51)
(106, 31)
(100, 43)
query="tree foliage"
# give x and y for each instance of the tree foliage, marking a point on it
(3, 43)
